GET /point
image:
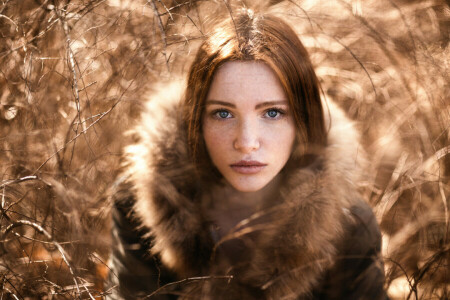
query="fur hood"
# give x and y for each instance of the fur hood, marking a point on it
(308, 219)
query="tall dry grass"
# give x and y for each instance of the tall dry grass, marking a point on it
(74, 75)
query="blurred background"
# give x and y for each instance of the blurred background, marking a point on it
(74, 75)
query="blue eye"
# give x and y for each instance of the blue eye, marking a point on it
(273, 113)
(222, 114)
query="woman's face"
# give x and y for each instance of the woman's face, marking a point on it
(247, 125)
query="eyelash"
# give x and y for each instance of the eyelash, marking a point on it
(281, 113)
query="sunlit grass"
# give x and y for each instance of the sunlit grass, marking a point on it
(73, 78)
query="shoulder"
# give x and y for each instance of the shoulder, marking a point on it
(361, 242)
(358, 272)
(362, 228)
(133, 271)
(163, 177)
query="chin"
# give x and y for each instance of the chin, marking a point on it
(247, 186)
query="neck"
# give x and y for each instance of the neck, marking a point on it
(228, 206)
(257, 199)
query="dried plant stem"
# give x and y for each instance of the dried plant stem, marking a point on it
(41, 230)
(9, 19)
(228, 277)
(340, 43)
(71, 58)
(439, 155)
(10, 292)
(230, 11)
(440, 254)
(40, 34)
(167, 10)
(161, 30)
(102, 115)
(22, 179)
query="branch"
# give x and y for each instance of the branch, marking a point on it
(14, 181)
(41, 230)
(229, 277)
(102, 115)
(40, 34)
(71, 57)
(340, 43)
(7, 18)
(161, 29)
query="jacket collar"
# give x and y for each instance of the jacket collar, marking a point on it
(307, 221)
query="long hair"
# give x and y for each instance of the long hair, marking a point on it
(247, 36)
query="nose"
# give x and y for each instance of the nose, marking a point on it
(247, 138)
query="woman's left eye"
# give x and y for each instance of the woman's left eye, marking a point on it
(273, 113)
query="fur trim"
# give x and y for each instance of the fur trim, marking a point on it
(308, 219)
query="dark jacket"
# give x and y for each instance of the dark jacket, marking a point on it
(316, 240)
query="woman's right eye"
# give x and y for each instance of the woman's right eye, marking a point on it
(221, 114)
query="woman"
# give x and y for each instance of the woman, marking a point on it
(245, 190)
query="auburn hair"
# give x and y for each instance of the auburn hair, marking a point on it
(248, 36)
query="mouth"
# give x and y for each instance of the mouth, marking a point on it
(248, 166)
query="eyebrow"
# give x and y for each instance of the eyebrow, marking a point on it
(264, 104)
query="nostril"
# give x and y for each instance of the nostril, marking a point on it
(246, 145)
(247, 139)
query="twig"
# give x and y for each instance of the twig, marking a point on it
(359, 62)
(227, 4)
(87, 8)
(40, 34)
(168, 11)
(85, 286)
(8, 290)
(161, 30)
(11, 293)
(404, 272)
(381, 41)
(88, 85)
(7, 18)
(229, 277)
(52, 284)
(87, 119)
(390, 195)
(435, 257)
(40, 241)
(287, 272)
(109, 290)
(190, 19)
(340, 43)
(71, 57)
(4, 6)
(29, 70)
(23, 179)
(438, 155)
(177, 6)
(41, 230)
(5, 210)
(73, 64)
(102, 115)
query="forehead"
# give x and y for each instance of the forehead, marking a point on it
(245, 80)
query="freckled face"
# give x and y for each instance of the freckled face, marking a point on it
(247, 125)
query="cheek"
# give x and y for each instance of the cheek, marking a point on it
(280, 138)
(290, 139)
(216, 139)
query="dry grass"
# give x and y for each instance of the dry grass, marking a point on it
(74, 74)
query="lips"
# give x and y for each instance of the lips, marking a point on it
(248, 166)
